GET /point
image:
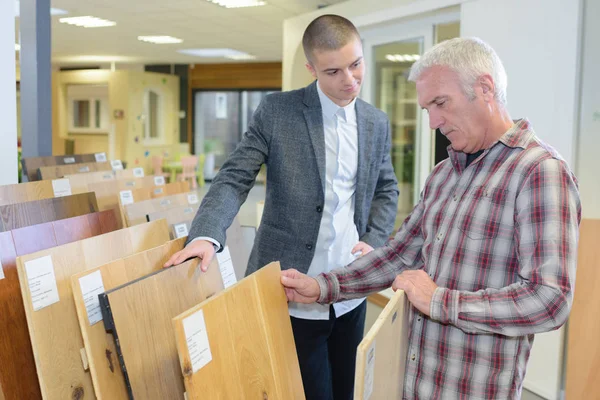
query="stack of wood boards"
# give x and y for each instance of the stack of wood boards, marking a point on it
(107, 376)
(139, 315)
(32, 164)
(239, 343)
(186, 203)
(59, 171)
(381, 356)
(17, 369)
(45, 279)
(18, 215)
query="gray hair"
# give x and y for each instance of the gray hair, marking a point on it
(469, 58)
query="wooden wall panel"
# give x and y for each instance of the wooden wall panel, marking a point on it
(59, 171)
(20, 192)
(32, 164)
(583, 344)
(236, 76)
(261, 365)
(17, 370)
(107, 377)
(136, 213)
(54, 330)
(14, 216)
(381, 356)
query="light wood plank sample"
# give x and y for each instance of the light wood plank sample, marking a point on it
(80, 182)
(140, 317)
(583, 347)
(32, 164)
(136, 213)
(14, 216)
(107, 377)
(250, 341)
(59, 171)
(54, 329)
(17, 369)
(20, 192)
(381, 356)
(176, 215)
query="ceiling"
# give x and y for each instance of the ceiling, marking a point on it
(201, 24)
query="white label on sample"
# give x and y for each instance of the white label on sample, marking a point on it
(69, 160)
(100, 157)
(130, 183)
(61, 187)
(181, 230)
(188, 210)
(84, 169)
(107, 176)
(91, 286)
(116, 164)
(126, 197)
(165, 203)
(226, 267)
(159, 180)
(158, 191)
(196, 336)
(138, 172)
(192, 198)
(42, 282)
(369, 372)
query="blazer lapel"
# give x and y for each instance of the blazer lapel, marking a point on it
(314, 121)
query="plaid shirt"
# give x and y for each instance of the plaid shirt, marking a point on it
(499, 238)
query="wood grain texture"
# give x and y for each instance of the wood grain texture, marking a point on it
(142, 312)
(80, 182)
(388, 341)
(17, 369)
(583, 346)
(236, 76)
(260, 365)
(18, 193)
(157, 192)
(107, 377)
(32, 164)
(59, 171)
(54, 330)
(15, 216)
(136, 213)
(175, 215)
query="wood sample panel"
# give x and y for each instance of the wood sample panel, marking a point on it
(17, 370)
(248, 351)
(381, 356)
(107, 377)
(59, 171)
(21, 192)
(139, 315)
(32, 164)
(583, 346)
(187, 203)
(51, 315)
(14, 216)
(80, 182)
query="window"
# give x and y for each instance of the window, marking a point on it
(88, 108)
(153, 116)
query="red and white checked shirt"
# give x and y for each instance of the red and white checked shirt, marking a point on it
(499, 238)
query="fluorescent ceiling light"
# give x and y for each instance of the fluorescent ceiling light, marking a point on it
(17, 47)
(213, 53)
(242, 57)
(402, 57)
(87, 22)
(53, 11)
(238, 3)
(160, 39)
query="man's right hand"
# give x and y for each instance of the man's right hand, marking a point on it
(202, 249)
(300, 288)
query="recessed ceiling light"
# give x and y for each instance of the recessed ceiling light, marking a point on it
(238, 3)
(87, 22)
(229, 53)
(160, 39)
(53, 11)
(17, 47)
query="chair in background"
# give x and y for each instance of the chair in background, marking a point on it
(157, 167)
(200, 169)
(189, 164)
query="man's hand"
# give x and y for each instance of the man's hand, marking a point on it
(300, 288)
(361, 247)
(202, 249)
(418, 287)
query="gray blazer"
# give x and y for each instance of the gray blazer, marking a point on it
(286, 133)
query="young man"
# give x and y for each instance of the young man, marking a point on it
(487, 258)
(331, 195)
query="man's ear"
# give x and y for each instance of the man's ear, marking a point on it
(311, 69)
(487, 87)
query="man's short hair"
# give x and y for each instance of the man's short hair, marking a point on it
(328, 32)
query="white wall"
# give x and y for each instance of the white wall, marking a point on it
(8, 95)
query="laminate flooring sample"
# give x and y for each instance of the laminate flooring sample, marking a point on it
(381, 356)
(45, 279)
(136, 213)
(20, 192)
(32, 164)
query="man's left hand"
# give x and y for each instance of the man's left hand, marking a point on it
(418, 287)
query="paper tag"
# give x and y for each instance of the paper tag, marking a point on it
(159, 180)
(130, 183)
(84, 169)
(62, 187)
(196, 337)
(181, 230)
(192, 198)
(138, 172)
(42, 282)
(126, 197)
(158, 191)
(116, 164)
(1, 272)
(188, 210)
(91, 286)
(165, 202)
(100, 157)
(107, 176)
(69, 160)
(226, 267)
(369, 372)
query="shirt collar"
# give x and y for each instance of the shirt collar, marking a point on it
(330, 108)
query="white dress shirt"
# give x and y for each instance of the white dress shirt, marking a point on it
(337, 232)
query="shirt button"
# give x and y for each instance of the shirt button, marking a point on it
(440, 236)
(455, 198)
(419, 319)
(319, 209)
(413, 357)
(309, 246)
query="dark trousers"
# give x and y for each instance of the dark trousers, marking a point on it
(327, 353)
